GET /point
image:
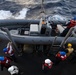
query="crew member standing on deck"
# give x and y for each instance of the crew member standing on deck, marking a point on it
(9, 50)
(70, 49)
(61, 55)
(14, 70)
(47, 65)
(5, 62)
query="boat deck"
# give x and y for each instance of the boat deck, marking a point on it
(30, 64)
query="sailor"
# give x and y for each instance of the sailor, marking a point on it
(61, 55)
(43, 27)
(9, 50)
(14, 70)
(5, 62)
(55, 30)
(43, 22)
(70, 49)
(72, 23)
(47, 65)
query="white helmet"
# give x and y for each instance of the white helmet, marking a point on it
(48, 61)
(13, 70)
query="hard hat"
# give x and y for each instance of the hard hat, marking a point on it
(13, 70)
(62, 53)
(10, 68)
(47, 61)
(69, 44)
(74, 18)
(5, 50)
(1, 58)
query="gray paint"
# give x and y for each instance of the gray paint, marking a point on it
(29, 39)
(36, 39)
(17, 23)
(14, 23)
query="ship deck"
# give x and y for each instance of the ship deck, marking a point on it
(30, 64)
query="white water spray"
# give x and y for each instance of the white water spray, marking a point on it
(8, 15)
(5, 14)
(22, 14)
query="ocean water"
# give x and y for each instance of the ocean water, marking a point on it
(31, 9)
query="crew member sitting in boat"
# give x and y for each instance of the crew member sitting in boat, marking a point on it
(72, 23)
(43, 22)
(55, 30)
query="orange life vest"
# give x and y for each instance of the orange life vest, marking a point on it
(43, 22)
(72, 24)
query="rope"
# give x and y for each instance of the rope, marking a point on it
(42, 9)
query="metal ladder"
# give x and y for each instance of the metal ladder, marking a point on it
(54, 48)
(11, 39)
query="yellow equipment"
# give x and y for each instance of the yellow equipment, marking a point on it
(69, 45)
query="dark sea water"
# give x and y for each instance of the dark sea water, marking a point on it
(52, 7)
